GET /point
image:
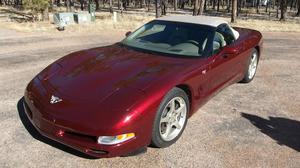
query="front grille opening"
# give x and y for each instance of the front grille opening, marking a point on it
(101, 152)
(82, 137)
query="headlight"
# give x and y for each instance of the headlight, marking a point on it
(112, 140)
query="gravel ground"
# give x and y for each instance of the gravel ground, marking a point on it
(246, 125)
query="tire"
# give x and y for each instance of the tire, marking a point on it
(252, 67)
(170, 119)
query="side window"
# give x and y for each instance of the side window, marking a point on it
(218, 42)
(225, 30)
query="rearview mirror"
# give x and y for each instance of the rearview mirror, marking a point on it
(128, 33)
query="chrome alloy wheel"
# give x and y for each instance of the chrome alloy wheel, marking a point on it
(252, 65)
(173, 119)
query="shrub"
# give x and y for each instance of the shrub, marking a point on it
(38, 7)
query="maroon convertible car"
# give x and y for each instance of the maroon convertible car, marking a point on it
(114, 100)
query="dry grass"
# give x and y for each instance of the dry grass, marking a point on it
(269, 26)
(104, 21)
(130, 22)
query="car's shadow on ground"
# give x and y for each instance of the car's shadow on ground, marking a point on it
(284, 131)
(35, 134)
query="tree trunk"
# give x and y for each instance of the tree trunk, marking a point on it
(292, 4)
(214, 4)
(111, 6)
(218, 7)
(143, 3)
(257, 6)
(135, 3)
(228, 6)
(239, 7)
(277, 9)
(196, 7)
(201, 7)
(57, 3)
(283, 8)
(234, 11)
(156, 9)
(163, 7)
(81, 4)
(97, 4)
(269, 6)
(149, 1)
(175, 5)
(45, 14)
(223, 4)
(298, 13)
(68, 5)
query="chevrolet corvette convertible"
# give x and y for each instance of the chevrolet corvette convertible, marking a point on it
(114, 100)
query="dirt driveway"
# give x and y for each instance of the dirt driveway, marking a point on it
(254, 125)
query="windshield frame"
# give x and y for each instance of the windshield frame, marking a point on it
(206, 52)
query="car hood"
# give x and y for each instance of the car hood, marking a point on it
(97, 73)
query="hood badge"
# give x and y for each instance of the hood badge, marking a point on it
(55, 99)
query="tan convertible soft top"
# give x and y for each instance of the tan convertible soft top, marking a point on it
(201, 20)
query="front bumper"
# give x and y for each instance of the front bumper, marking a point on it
(84, 143)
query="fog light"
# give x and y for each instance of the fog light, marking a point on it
(112, 140)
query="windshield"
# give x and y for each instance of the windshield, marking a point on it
(171, 38)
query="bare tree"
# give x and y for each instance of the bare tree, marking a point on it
(214, 4)
(111, 6)
(148, 5)
(292, 4)
(81, 4)
(156, 9)
(68, 5)
(277, 9)
(163, 6)
(298, 13)
(228, 5)
(97, 4)
(283, 8)
(234, 11)
(199, 7)
(45, 14)
(233, 7)
(196, 7)
(257, 6)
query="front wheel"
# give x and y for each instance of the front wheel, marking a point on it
(252, 67)
(171, 118)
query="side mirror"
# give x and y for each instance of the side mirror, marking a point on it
(128, 33)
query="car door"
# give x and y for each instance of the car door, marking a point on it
(224, 63)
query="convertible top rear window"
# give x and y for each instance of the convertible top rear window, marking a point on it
(173, 38)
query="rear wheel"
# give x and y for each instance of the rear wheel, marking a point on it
(171, 118)
(252, 67)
